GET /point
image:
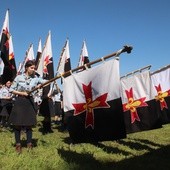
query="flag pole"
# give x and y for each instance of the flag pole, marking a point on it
(125, 48)
(161, 69)
(137, 71)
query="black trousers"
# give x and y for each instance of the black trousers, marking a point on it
(17, 132)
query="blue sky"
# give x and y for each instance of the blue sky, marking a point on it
(106, 25)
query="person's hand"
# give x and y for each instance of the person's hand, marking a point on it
(39, 86)
(24, 93)
(49, 95)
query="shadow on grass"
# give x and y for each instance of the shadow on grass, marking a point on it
(67, 140)
(148, 142)
(153, 160)
(82, 161)
(139, 144)
(111, 149)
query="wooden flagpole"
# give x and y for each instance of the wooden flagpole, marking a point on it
(126, 48)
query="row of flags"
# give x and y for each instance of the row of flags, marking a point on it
(43, 58)
(99, 105)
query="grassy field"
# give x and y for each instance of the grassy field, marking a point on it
(149, 150)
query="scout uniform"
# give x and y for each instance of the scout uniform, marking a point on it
(24, 112)
(6, 101)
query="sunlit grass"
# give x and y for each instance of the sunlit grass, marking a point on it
(143, 150)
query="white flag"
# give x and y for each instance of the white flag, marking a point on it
(5, 24)
(45, 57)
(64, 58)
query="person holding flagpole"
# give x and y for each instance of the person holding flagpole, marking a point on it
(23, 114)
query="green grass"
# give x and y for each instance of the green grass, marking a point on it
(148, 150)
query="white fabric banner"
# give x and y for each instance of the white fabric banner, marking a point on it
(162, 77)
(141, 85)
(104, 78)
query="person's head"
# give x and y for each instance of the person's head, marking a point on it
(8, 83)
(30, 67)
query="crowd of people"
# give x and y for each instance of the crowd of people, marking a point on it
(19, 108)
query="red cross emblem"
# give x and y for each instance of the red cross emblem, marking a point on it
(90, 105)
(133, 104)
(161, 96)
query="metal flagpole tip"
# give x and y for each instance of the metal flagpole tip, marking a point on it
(127, 48)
